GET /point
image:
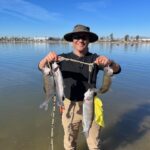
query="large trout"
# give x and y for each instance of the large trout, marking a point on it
(58, 83)
(88, 103)
(88, 110)
(49, 86)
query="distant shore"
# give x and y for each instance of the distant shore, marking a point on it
(125, 40)
(65, 42)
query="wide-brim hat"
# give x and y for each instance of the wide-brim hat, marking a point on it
(81, 29)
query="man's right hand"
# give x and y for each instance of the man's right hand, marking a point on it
(50, 57)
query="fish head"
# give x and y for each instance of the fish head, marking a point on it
(89, 94)
(108, 71)
(46, 70)
(55, 66)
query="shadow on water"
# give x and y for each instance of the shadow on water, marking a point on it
(128, 129)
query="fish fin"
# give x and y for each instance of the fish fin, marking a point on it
(46, 70)
(44, 105)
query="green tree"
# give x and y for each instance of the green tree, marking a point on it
(137, 37)
(111, 37)
(126, 37)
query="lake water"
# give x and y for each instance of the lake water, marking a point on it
(23, 126)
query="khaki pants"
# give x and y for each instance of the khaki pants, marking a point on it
(71, 121)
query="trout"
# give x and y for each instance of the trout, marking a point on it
(108, 72)
(49, 87)
(88, 102)
(58, 83)
(88, 110)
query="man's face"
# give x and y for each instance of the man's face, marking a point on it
(80, 42)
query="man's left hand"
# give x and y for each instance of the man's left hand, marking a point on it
(102, 60)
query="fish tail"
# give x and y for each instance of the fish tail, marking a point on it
(86, 133)
(44, 105)
(61, 109)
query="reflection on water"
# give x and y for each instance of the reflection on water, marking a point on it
(24, 126)
(132, 126)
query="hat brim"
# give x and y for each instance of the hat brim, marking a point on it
(92, 36)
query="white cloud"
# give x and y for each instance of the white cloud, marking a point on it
(92, 6)
(26, 10)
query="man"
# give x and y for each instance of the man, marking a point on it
(76, 83)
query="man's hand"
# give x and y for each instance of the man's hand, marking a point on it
(50, 57)
(102, 60)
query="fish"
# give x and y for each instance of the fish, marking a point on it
(107, 80)
(58, 83)
(49, 87)
(88, 110)
(88, 102)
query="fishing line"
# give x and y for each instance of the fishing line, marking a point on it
(77, 61)
(51, 146)
(91, 65)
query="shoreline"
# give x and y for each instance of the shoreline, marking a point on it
(65, 42)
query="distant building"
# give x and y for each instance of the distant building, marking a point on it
(144, 39)
(40, 39)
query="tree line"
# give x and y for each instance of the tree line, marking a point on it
(109, 38)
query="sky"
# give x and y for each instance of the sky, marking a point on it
(58, 17)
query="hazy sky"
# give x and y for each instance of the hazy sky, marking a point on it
(57, 17)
